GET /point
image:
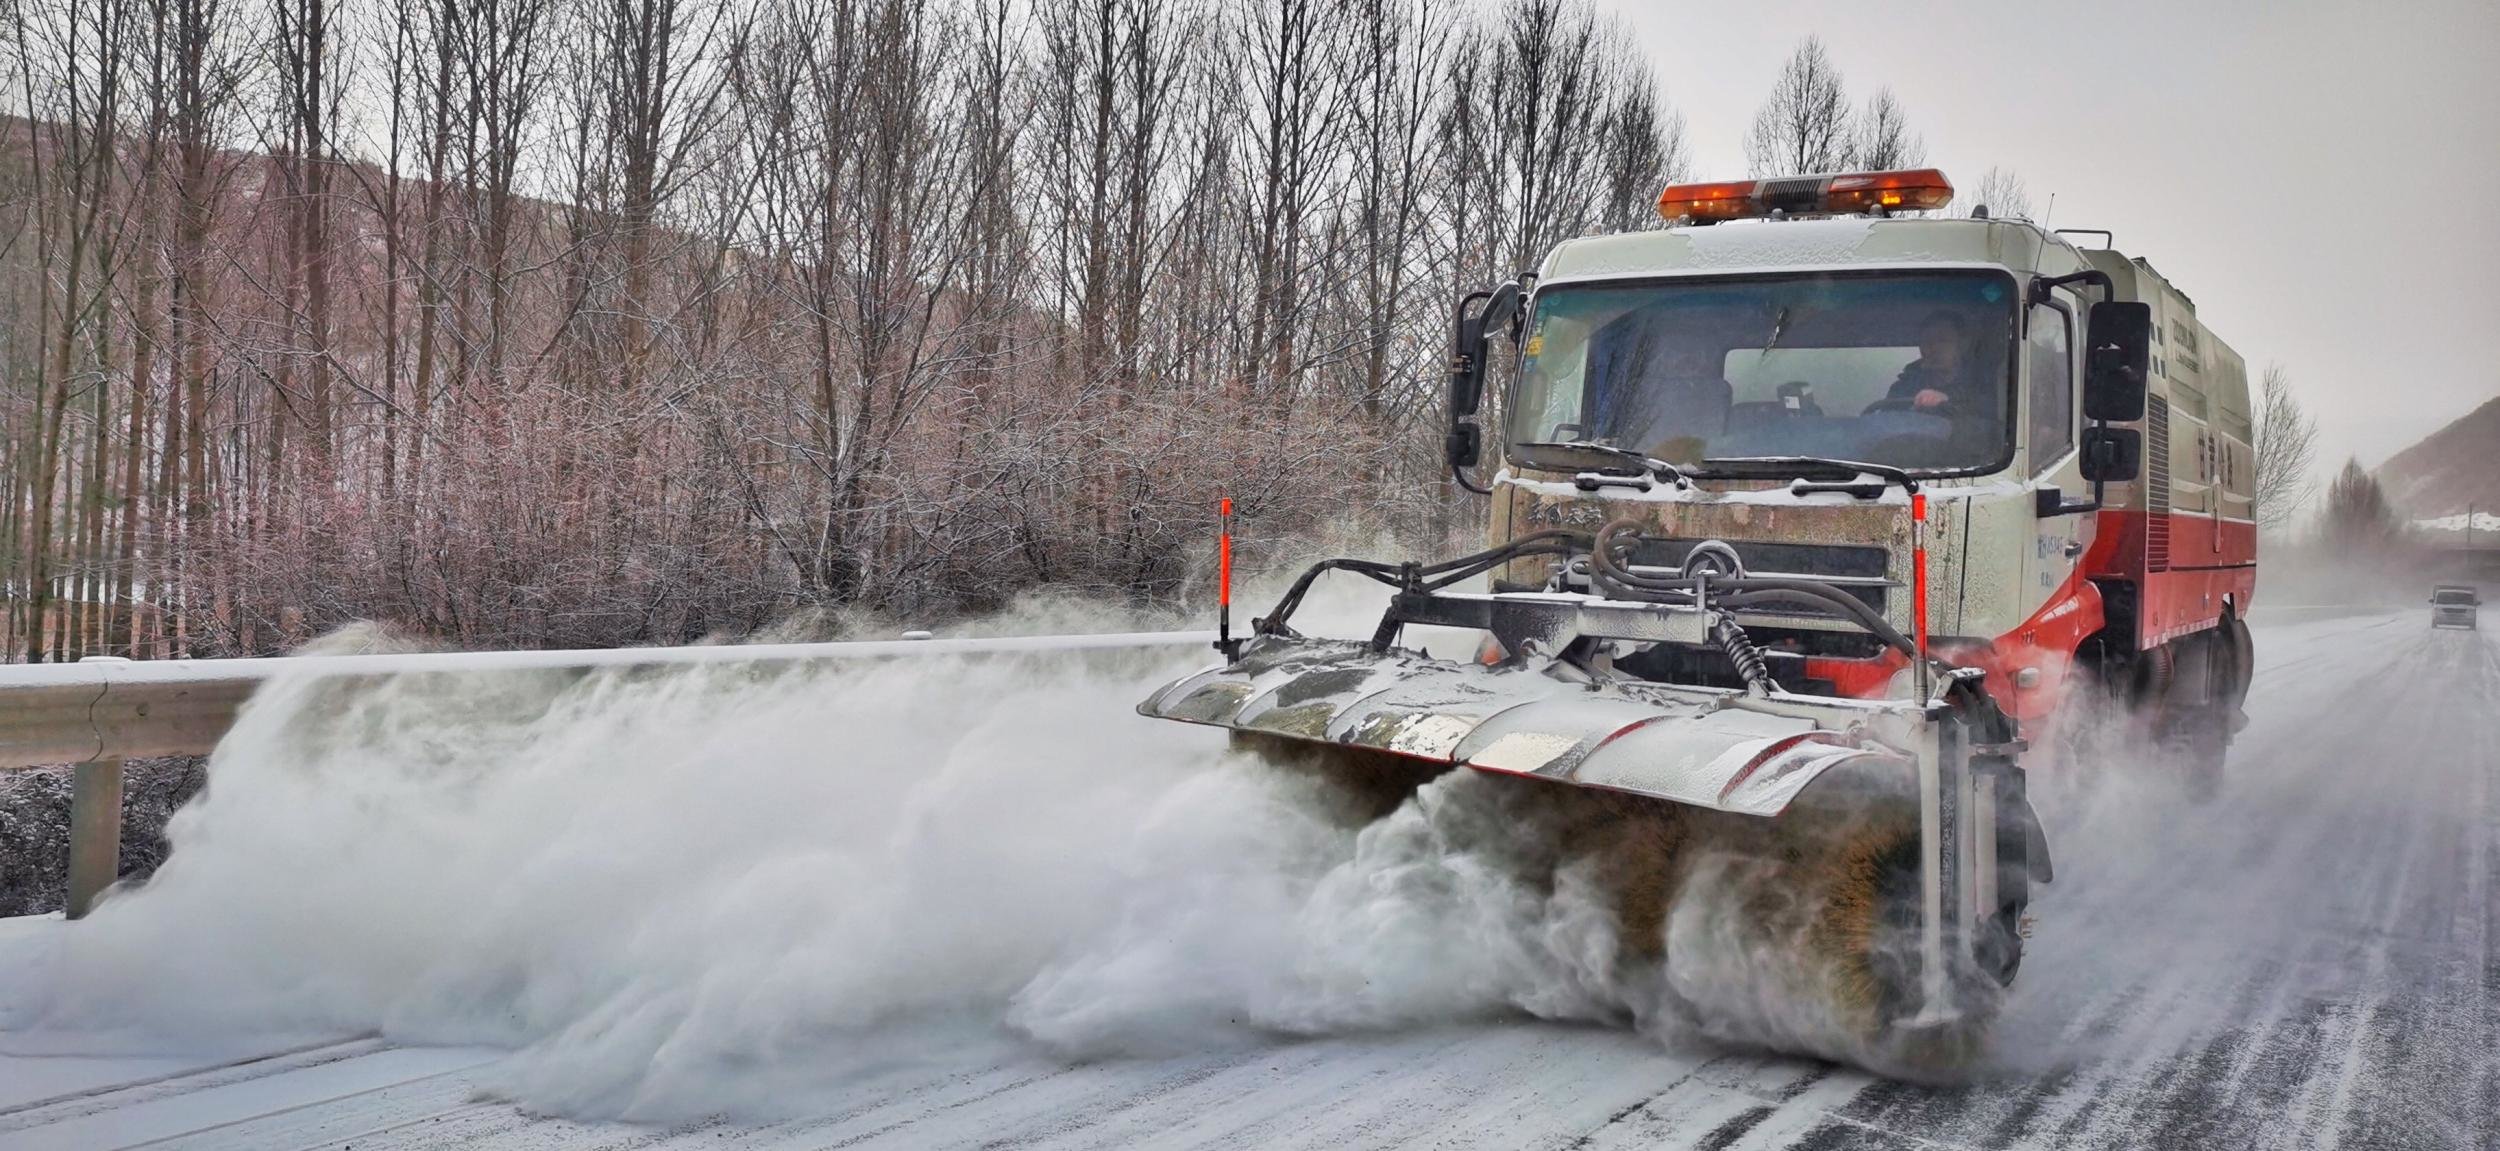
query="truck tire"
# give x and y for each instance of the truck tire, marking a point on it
(2204, 707)
(2203, 749)
(2243, 657)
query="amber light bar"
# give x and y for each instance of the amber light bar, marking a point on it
(1870, 193)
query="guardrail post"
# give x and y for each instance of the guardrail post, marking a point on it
(95, 832)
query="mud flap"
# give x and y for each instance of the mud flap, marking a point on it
(2019, 835)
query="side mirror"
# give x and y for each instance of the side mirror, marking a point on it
(1465, 442)
(2120, 336)
(2112, 455)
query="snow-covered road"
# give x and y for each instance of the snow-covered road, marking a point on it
(2310, 961)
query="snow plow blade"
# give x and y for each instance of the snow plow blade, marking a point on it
(1701, 747)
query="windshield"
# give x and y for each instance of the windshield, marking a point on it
(1913, 370)
(2452, 596)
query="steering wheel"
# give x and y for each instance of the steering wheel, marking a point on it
(1895, 404)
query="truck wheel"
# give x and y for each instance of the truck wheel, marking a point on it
(2090, 724)
(2243, 656)
(2202, 749)
(2208, 743)
(2196, 708)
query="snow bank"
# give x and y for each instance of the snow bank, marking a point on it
(2483, 522)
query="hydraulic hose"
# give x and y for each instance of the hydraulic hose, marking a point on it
(1424, 577)
(1609, 554)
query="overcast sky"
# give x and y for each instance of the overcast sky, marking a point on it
(2323, 179)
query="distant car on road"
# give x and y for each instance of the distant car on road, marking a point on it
(2455, 605)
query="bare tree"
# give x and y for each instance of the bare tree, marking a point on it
(2358, 518)
(70, 163)
(1804, 126)
(1405, 49)
(2286, 446)
(2001, 191)
(1293, 55)
(1884, 140)
(1530, 160)
(1644, 147)
(660, 91)
(1109, 74)
(308, 58)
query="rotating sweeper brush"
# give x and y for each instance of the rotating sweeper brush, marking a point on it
(1838, 876)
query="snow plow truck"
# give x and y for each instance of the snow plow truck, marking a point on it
(1818, 524)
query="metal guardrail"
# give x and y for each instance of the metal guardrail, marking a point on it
(96, 713)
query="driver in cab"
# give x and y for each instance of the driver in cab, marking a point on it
(1950, 381)
(1944, 380)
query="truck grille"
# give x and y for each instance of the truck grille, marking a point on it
(1856, 570)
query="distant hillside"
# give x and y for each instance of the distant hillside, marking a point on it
(2451, 468)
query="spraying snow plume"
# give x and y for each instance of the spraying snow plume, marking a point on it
(678, 892)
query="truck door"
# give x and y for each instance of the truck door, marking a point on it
(2051, 415)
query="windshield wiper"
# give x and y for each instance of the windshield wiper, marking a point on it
(1779, 325)
(1818, 465)
(1645, 465)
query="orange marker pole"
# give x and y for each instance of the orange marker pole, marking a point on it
(1224, 576)
(1918, 585)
